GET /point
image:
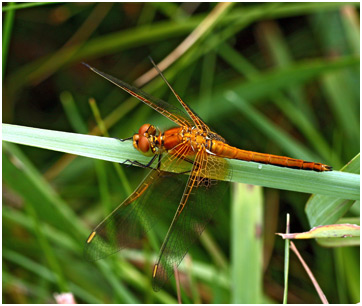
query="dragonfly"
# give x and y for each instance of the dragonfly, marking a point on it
(188, 198)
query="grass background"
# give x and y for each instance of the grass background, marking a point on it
(268, 77)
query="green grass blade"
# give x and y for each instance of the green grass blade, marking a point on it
(323, 210)
(43, 272)
(48, 252)
(8, 25)
(246, 244)
(350, 19)
(334, 183)
(20, 175)
(273, 81)
(72, 112)
(286, 261)
(25, 5)
(347, 274)
(343, 105)
(271, 130)
(140, 36)
(302, 122)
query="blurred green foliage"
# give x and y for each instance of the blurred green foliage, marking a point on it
(294, 68)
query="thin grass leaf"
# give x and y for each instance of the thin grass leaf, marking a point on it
(48, 252)
(25, 5)
(280, 54)
(326, 231)
(271, 130)
(8, 25)
(45, 273)
(53, 235)
(21, 176)
(116, 42)
(72, 111)
(286, 106)
(214, 250)
(336, 184)
(343, 105)
(352, 274)
(9, 279)
(271, 82)
(286, 261)
(334, 235)
(350, 19)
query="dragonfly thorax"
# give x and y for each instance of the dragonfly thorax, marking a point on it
(197, 139)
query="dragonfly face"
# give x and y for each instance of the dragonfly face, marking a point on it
(194, 198)
(145, 140)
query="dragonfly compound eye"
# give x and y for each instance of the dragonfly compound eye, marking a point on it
(143, 129)
(143, 144)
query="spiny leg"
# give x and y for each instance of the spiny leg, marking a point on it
(121, 139)
(148, 165)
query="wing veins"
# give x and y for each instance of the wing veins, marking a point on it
(179, 118)
(196, 119)
(157, 276)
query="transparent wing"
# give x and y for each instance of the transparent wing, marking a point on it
(155, 199)
(200, 200)
(197, 121)
(182, 117)
(173, 113)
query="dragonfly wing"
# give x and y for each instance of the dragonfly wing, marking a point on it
(201, 198)
(154, 201)
(173, 113)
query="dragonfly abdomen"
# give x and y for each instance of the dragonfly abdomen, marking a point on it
(224, 150)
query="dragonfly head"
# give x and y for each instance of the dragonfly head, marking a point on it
(144, 140)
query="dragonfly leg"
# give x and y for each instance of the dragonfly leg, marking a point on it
(137, 163)
(148, 165)
(188, 160)
(129, 162)
(120, 139)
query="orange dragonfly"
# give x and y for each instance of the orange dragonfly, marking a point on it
(191, 200)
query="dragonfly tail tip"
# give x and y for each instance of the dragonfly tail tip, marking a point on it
(327, 168)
